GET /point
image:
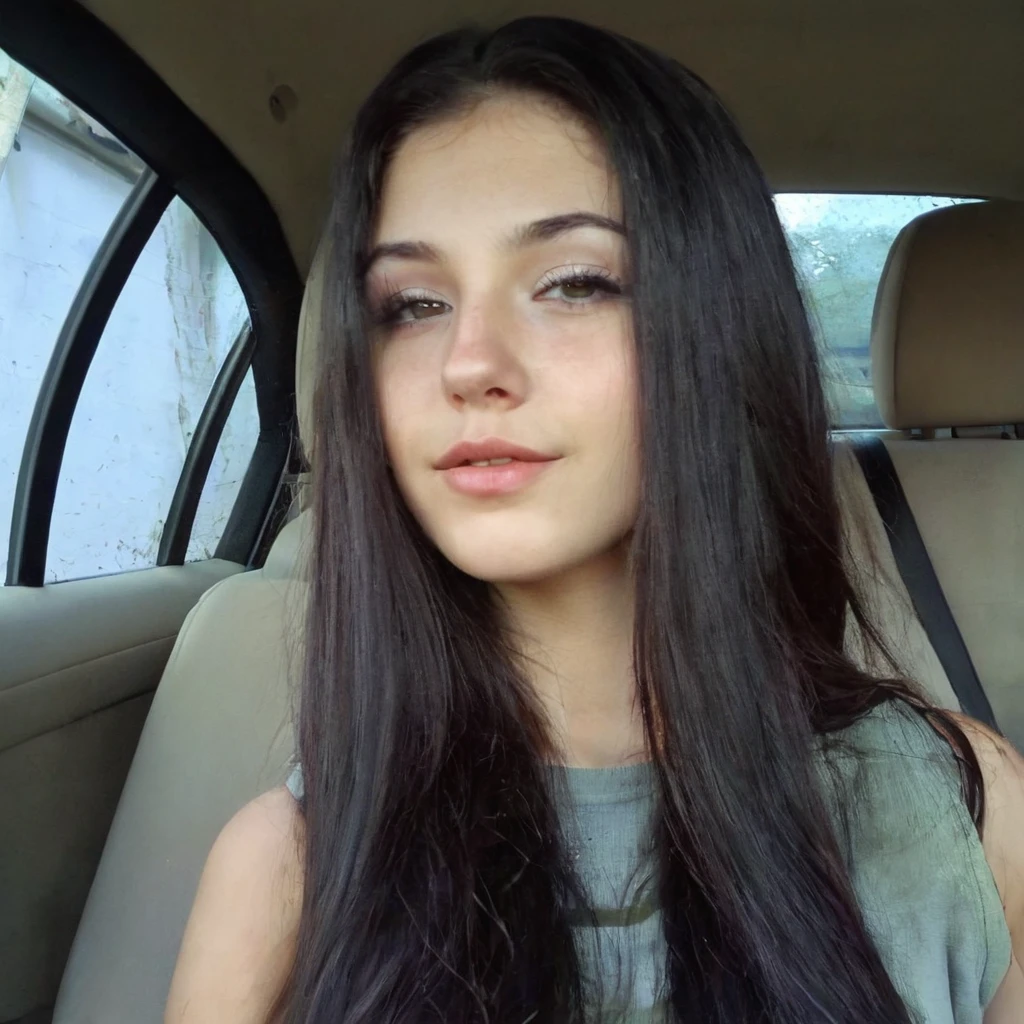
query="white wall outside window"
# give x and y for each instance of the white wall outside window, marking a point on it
(166, 339)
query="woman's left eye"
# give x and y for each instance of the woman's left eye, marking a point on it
(579, 288)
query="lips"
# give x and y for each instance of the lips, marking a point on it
(491, 467)
(467, 452)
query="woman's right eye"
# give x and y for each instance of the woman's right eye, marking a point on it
(404, 309)
(423, 309)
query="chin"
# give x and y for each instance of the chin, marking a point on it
(492, 567)
(527, 549)
(508, 559)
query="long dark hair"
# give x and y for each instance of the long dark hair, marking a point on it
(436, 878)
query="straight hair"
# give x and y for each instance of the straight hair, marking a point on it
(438, 886)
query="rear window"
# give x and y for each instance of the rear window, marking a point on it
(839, 244)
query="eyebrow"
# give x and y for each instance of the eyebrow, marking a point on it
(543, 230)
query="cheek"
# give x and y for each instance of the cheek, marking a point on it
(598, 381)
(615, 393)
(399, 383)
(593, 389)
(623, 435)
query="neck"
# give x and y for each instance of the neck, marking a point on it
(575, 632)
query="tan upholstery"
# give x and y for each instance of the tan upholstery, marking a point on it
(116, 634)
(948, 352)
(79, 662)
(216, 736)
(966, 497)
(947, 345)
(59, 793)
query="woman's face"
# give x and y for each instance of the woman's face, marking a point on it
(500, 285)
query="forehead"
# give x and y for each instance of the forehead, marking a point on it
(510, 159)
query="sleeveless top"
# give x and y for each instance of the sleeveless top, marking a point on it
(924, 887)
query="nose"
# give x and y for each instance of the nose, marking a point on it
(481, 367)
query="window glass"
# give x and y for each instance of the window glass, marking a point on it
(178, 315)
(839, 244)
(62, 180)
(234, 451)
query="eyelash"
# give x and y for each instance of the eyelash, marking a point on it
(394, 305)
(602, 280)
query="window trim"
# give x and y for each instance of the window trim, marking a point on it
(69, 47)
(65, 375)
(181, 515)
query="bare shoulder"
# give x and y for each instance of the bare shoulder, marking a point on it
(1002, 767)
(240, 939)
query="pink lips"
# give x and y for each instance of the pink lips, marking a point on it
(491, 481)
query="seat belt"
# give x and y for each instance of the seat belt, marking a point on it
(919, 576)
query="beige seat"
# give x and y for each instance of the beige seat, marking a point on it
(947, 353)
(218, 734)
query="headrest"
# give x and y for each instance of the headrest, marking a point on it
(308, 345)
(947, 341)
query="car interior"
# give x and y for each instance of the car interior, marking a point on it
(139, 709)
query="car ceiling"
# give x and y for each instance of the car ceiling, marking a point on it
(872, 96)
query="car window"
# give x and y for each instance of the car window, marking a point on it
(839, 243)
(57, 200)
(63, 181)
(180, 312)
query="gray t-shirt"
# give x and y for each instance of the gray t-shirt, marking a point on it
(928, 898)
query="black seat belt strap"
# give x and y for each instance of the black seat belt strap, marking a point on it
(918, 574)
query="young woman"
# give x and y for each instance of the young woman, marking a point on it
(579, 737)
